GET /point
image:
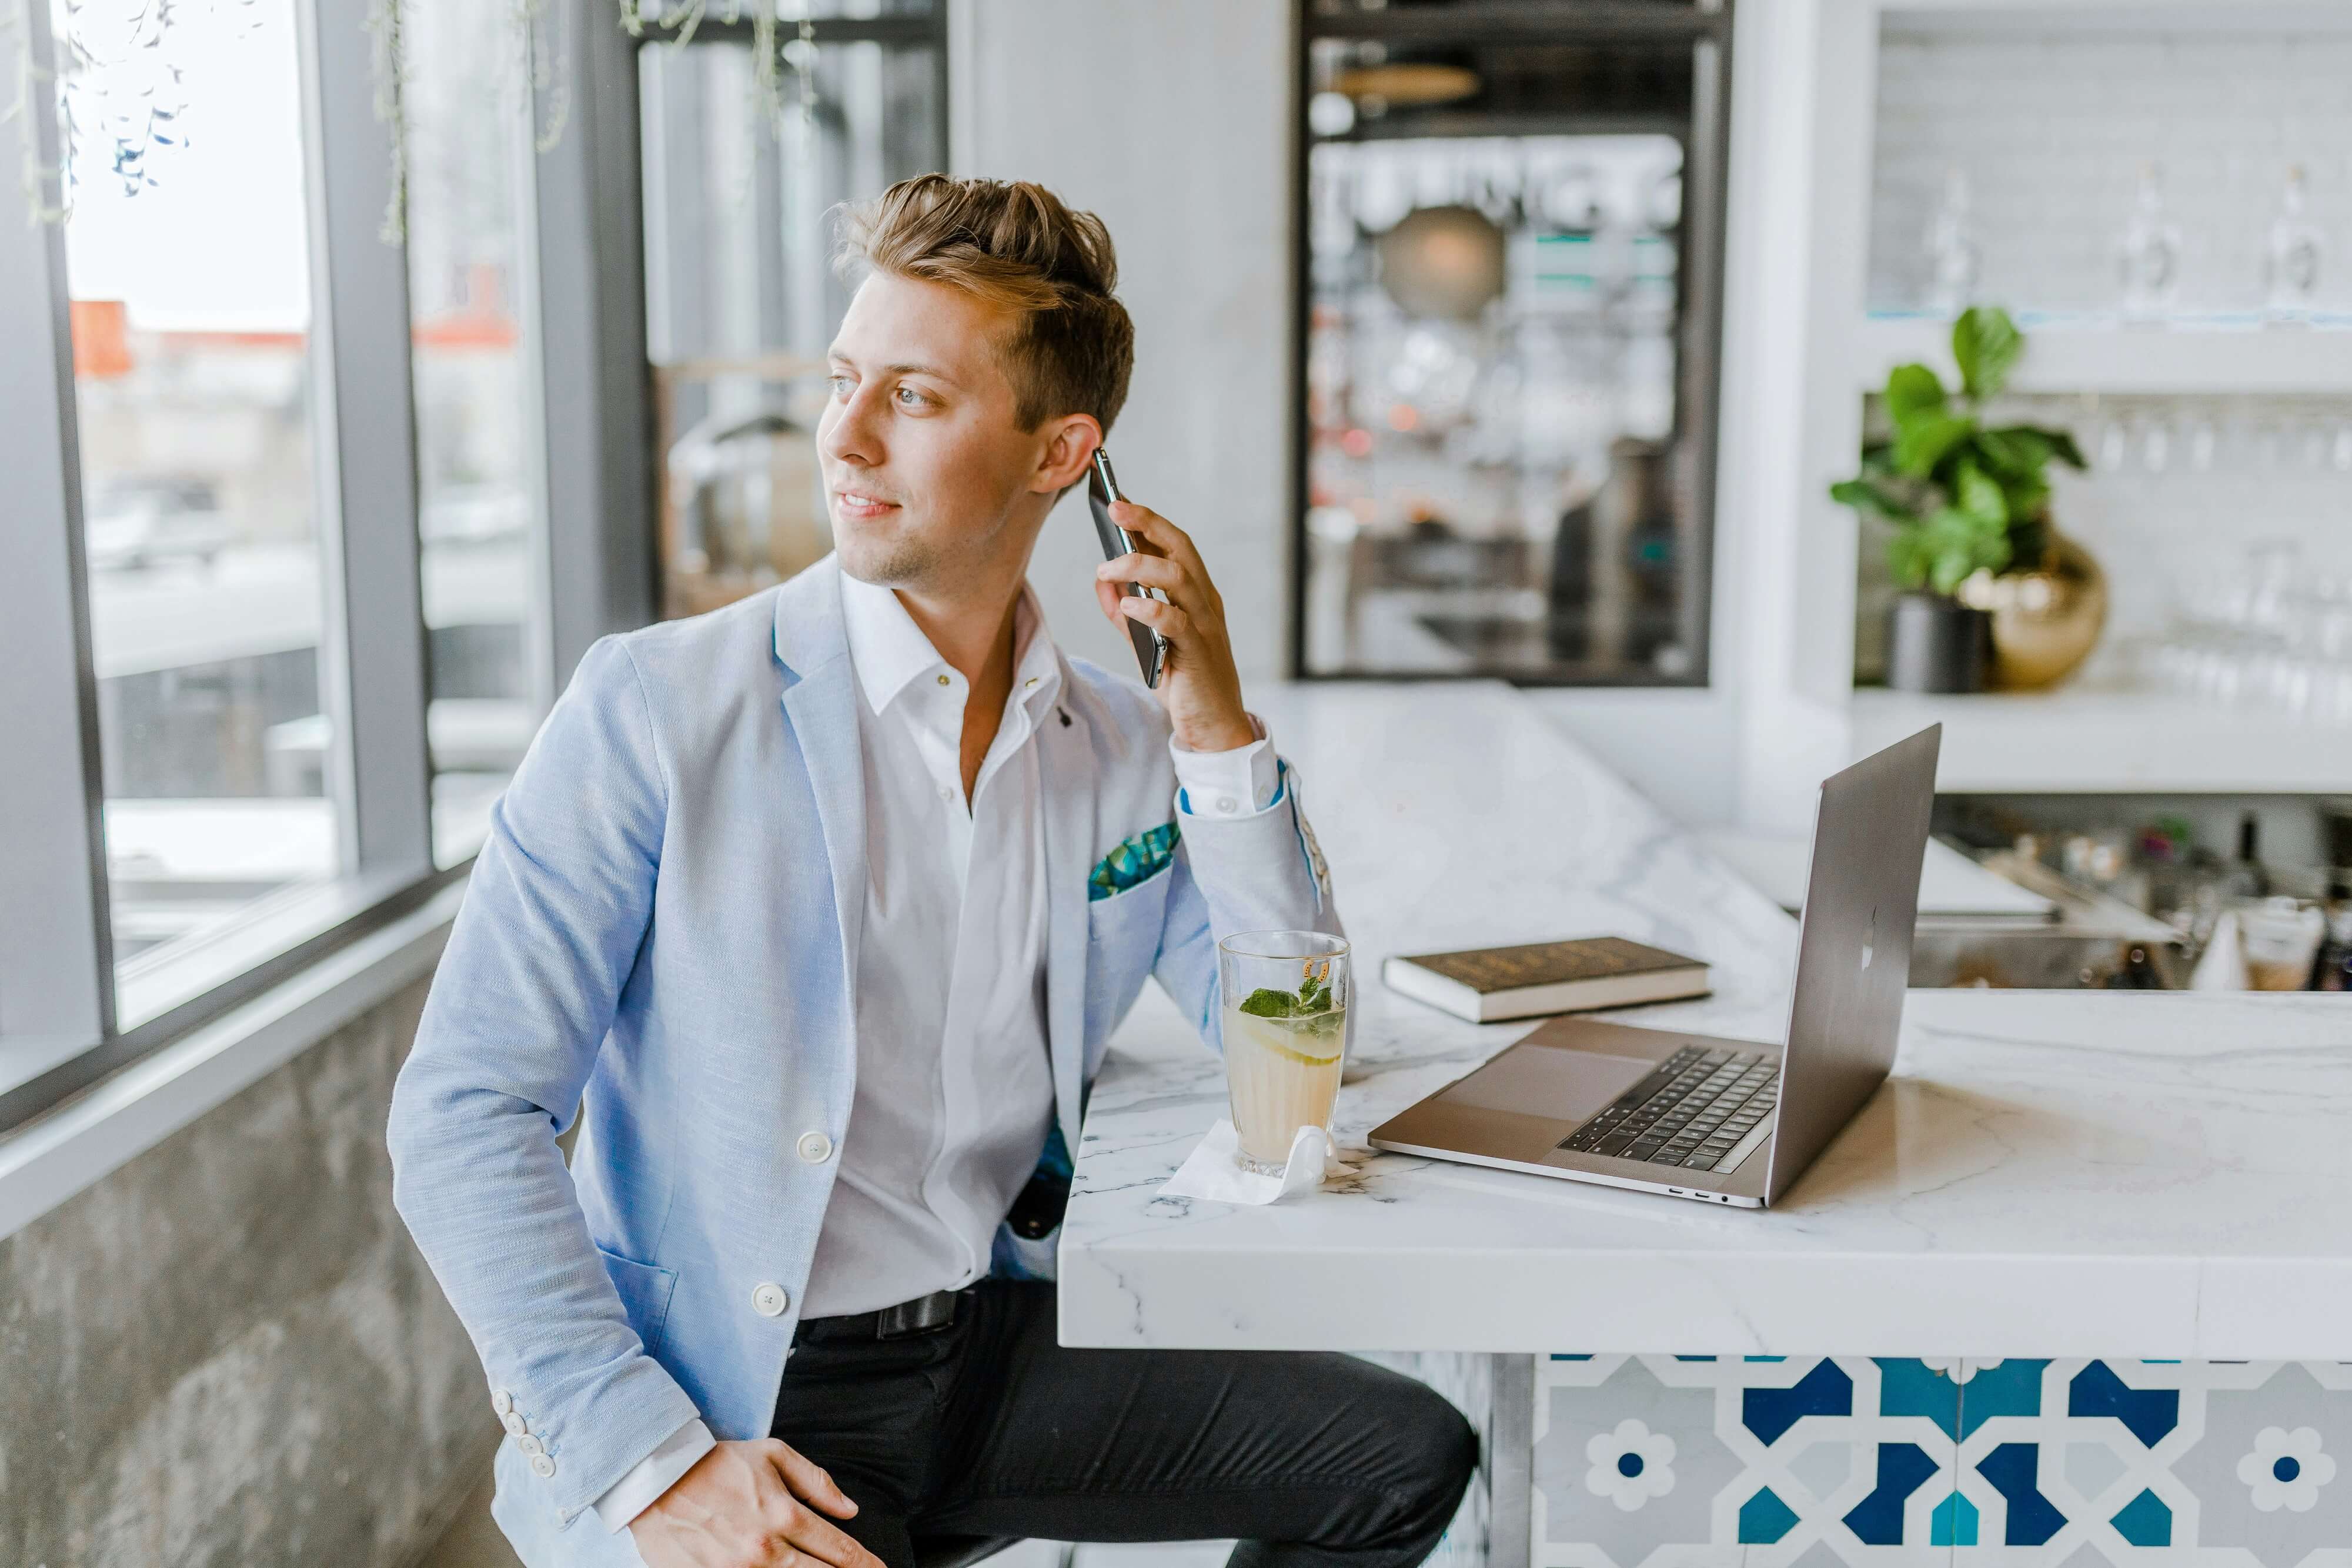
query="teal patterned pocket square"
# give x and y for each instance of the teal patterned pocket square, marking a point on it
(1133, 861)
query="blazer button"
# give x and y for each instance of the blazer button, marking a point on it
(816, 1148)
(530, 1444)
(542, 1466)
(502, 1402)
(769, 1299)
(513, 1422)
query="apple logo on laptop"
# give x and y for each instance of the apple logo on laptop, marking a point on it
(1870, 939)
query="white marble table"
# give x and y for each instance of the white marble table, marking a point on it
(2048, 1174)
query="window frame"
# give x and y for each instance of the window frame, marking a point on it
(1706, 27)
(66, 1019)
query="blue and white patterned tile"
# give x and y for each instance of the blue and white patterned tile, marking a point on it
(1691, 1462)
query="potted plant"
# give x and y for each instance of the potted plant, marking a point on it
(1969, 504)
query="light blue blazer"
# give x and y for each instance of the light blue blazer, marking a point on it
(665, 921)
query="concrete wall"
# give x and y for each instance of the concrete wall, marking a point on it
(228, 1353)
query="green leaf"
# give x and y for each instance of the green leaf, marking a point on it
(1985, 345)
(2028, 507)
(1911, 391)
(2018, 448)
(1925, 439)
(1976, 496)
(1906, 559)
(2019, 452)
(1314, 996)
(1267, 1003)
(1871, 501)
(1954, 543)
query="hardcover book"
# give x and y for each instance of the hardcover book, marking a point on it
(1487, 984)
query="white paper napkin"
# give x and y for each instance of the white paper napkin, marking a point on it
(1209, 1171)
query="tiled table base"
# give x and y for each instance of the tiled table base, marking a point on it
(1813, 1462)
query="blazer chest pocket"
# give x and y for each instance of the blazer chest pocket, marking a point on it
(1119, 918)
(1122, 942)
(644, 1293)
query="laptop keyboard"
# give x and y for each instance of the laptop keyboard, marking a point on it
(1702, 1109)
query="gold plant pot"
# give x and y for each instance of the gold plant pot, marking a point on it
(2045, 620)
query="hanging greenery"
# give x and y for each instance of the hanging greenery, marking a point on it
(389, 57)
(767, 59)
(30, 81)
(118, 93)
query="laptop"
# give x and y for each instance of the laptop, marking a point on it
(1698, 1116)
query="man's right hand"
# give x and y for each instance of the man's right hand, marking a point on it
(750, 1505)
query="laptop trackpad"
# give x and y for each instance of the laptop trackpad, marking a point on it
(1543, 1081)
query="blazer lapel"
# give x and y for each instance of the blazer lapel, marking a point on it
(1067, 756)
(821, 700)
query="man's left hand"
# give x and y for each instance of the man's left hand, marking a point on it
(1198, 684)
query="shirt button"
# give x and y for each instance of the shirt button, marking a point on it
(514, 1422)
(816, 1148)
(502, 1402)
(542, 1466)
(530, 1444)
(944, 681)
(1227, 805)
(770, 1299)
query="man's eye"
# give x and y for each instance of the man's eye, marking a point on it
(841, 385)
(909, 397)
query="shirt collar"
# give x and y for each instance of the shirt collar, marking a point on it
(890, 652)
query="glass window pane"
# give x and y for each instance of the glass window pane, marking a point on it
(476, 457)
(188, 261)
(743, 297)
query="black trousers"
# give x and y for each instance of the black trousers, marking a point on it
(989, 1428)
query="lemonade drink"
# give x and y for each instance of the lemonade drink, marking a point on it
(1284, 1074)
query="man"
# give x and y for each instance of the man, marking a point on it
(828, 903)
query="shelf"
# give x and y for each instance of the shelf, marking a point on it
(2125, 360)
(2092, 741)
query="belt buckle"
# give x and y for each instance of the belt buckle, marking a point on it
(926, 1314)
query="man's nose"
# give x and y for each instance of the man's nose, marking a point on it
(848, 434)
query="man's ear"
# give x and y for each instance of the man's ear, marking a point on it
(1070, 442)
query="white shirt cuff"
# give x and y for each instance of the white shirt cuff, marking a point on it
(654, 1475)
(1236, 783)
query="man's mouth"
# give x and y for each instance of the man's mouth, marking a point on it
(857, 503)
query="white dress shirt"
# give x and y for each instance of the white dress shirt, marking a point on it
(955, 1092)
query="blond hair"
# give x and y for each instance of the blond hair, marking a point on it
(1015, 245)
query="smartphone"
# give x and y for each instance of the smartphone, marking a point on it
(1102, 489)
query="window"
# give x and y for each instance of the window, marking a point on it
(304, 528)
(264, 468)
(742, 298)
(488, 675)
(1513, 238)
(190, 323)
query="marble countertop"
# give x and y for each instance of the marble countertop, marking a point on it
(2047, 1173)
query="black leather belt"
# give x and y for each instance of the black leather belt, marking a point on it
(924, 1315)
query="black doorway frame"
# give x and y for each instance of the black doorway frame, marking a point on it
(1705, 26)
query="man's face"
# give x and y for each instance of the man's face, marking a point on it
(928, 480)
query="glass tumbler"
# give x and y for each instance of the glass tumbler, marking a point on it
(1284, 995)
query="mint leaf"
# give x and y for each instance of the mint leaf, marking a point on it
(1267, 1003)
